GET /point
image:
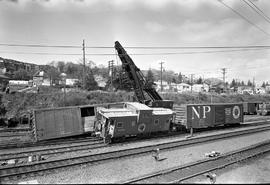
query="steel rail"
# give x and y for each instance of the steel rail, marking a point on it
(187, 171)
(35, 167)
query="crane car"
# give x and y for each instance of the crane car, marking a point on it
(144, 91)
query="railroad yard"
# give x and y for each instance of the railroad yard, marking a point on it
(88, 156)
(134, 92)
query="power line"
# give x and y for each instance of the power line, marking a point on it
(252, 7)
(39, 46)
(112, 54)
(243, 17)
(259, 10)
(134, 47)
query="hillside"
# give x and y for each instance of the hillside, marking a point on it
(18, 104)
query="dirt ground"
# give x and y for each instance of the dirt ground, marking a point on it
(252, 171)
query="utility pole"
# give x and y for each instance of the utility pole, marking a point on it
(161, 75)
(191, 81)
(253, 85)
(224, 73)
(83, 64)
(111, 71)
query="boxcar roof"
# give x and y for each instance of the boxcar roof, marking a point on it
(217, 104)
(162, 111)
(104, 110)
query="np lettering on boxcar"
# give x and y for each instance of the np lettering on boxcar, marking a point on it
(205, 109)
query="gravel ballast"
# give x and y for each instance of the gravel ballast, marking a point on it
(125, 168)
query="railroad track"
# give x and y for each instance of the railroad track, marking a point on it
(38, 168)
(51, 150)
(91, 143)
(49, 142)
(202, 167)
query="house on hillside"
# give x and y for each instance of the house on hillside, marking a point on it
(200, 88)
(165, 85)
(100, 81)
(260, 90)
(72, 81)
(267, 89)
(41, 78)
(173, 87)
(183, 87)
(245, 89)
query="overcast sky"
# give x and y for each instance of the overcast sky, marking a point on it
(140, 23)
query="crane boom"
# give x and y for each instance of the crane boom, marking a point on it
(138, 81)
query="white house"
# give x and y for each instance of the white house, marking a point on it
(173, 87)
(41, 78)
(71, 81)
(100, 80)
(183, 87)
(165, 85)
(260, 90)
(18, 82)
(200, 87)
(245, 90)
(267, 88)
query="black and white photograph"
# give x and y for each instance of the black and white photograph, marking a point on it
(134, 91)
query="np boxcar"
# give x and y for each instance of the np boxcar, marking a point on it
(209, 115)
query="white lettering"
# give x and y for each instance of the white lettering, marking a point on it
(204, 110)
(195, 111)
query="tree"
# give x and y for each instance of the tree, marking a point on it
(249, 83)
(263, 84)
(150, 76)
(21, 74)
(242, 83)
(53, 74)
(90, 82)
(200, 81)
(73, 70)
(180, 78)
(233, 83)
(60, 66)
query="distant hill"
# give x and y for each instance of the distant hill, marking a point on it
(10, 65)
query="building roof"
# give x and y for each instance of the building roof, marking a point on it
(139, 106)
(183, 84)
(112, 113)
(40, 74)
